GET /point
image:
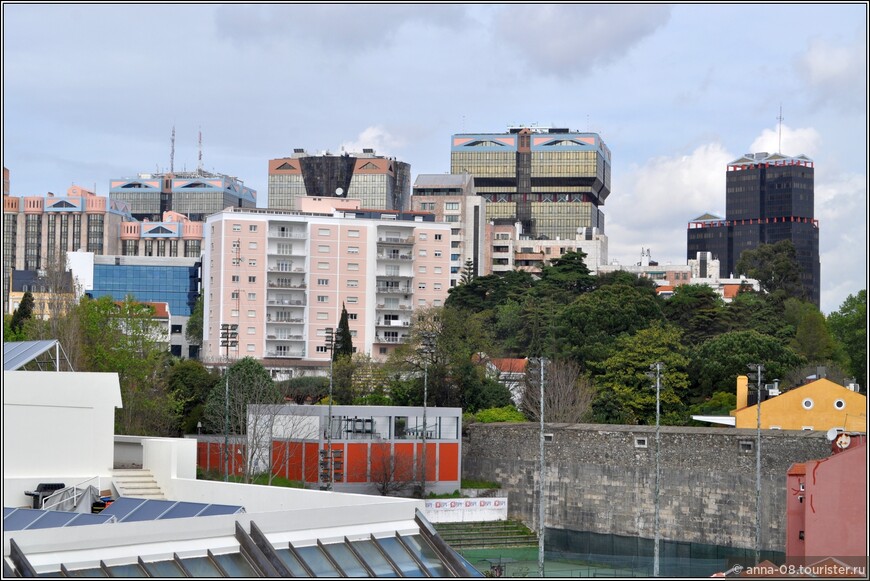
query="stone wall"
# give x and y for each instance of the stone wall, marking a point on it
(598, 478)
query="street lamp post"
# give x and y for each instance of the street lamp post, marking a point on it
(229, 338)
(427, 348)
(759, 370)
(658, 365)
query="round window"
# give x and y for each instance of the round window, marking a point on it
(839, 404)
(808, 404)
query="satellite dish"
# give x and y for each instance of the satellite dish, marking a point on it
(339, 192)
(833, 433)
(843, 441)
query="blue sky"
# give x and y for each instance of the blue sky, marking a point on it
(91, 92)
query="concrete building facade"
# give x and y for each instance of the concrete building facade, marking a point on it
(284, 277)
(378, 182)
(453, 200)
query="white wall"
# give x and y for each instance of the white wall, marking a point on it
(57, 427)
(466, 509)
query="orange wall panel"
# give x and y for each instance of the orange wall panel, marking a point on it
(311, 460)
(404, 458)
(448, 461)
(357, 463)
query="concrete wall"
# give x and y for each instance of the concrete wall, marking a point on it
(597, 479)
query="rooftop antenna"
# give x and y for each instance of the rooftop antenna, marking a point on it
(172, 152)
(780, 118)
(199, 164)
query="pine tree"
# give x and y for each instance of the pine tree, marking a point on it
(343, 340)
(23, 313)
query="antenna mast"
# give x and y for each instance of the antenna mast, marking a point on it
(780, 128)
(199, 164)
(172, 152)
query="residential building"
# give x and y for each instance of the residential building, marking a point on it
(37, 230)
(768, 198)
(160, 520)
(550, 180)
(52, 294)
(826, 504)
(510, 372)
(174, 281)
(376, 449)
(174, 236)
(701, 270)
(378, 182)
(193, 194)
(510, 250)
(816, 406)
(283, 278)
(453, 200)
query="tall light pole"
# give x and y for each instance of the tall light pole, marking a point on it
(229, 338)
(759, 369)
(427, 347)
(541, 512)
(330, 347)
(658, 365)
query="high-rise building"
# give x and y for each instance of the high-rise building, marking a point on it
(453, 200)
(768, 198)
(37, 230)
(193, 194)
(377, 182)
(551, 181)
(283, 277)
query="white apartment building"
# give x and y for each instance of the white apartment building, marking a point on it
(281, 279)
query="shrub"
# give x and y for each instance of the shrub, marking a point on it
(507, 413)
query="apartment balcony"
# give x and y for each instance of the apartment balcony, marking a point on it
(285, 337)
(384, 307)
(404, 241)
(394, 256)
(390, 339)
(282, 302)
(289, 354)
(400, 274)
(393, 323)
(288, 234)
(285, 317)
(395, 290)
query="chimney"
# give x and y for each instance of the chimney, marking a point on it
(742, 391)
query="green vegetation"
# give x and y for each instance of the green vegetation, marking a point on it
(262, 479)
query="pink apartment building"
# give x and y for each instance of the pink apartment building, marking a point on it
(282, 277)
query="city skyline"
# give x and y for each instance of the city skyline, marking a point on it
(675, 91)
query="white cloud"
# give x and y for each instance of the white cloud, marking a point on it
(376, 138)
(570, 39)
(805, 141)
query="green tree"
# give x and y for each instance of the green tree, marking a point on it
(775, 266)
(698, 310)
(812, 340)
(343, 339)
(764, 313)
(565, 277)
(467, 273)
(193, 332)
(588, 327)
(625, 392)
(849, 327)
(191, 383)
(23, 313)
(305, 389)
(720, 403)
(718, 361)
(124, 338)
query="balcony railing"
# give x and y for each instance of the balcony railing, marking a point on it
(294, 354)
(393, 323)
(388, 256)
(395, 240)
(394, 340)
(402, 290)
(296, 235)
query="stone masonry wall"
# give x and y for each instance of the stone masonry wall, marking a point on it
(597, 479)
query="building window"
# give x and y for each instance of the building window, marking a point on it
(352, 300)
(321, 349)
(640, 442)
(252, 279)
(237, 227)
(353, 266)
(807, 428)
(437, 254)
(176, 329)
(451, 205)
(353, 249)
(252, 228)
(839, 404)
(234, 295)
(353, 233)
(422, 252)
(252, 313)
(250, 347)
(252, 262)
(323, 265)
(382, 350)
(252, 296)
(438, 237)
(421, 286)
(323, 248)
(423, 236)
(321, 316)
(324, 232)
(252, 330)
(351, 316)
(352, 283)
(252, 245)
(234, 313)
(437, 286)
(451, 218)
(235, 278)
(437, 270)
(322, 298)
(807, 403)
(421, 269)
(746, 446)
(322, 282)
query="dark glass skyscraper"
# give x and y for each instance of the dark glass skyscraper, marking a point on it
(768, 198)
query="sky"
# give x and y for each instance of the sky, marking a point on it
(92, 92)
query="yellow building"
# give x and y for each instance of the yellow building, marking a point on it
(820, 405)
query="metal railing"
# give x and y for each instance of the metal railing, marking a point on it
(75, 497)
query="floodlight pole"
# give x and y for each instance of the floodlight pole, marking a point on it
(330, 347)
(758, 376)
(658, 367)
(541, 505)
(427, 348)
(229, 333)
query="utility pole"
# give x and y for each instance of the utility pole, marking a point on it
(658, 365)
(427, 348)
(758, 377)
(229, 338)
(330, 347)
(541, 506)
